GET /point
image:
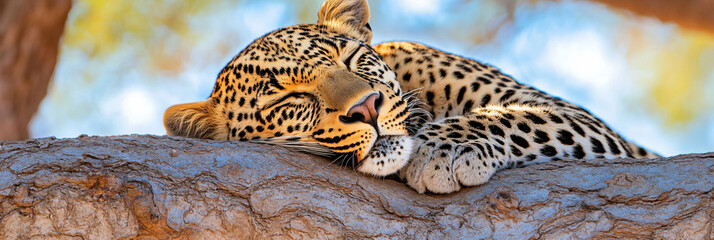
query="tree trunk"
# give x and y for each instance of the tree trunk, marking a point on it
(167, 187)
(30, 31)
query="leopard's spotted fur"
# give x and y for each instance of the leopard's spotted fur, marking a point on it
(322, 88)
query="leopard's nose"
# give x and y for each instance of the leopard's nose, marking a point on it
(365, 111)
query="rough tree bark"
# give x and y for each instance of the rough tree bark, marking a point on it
(166, 187)
(30, 31)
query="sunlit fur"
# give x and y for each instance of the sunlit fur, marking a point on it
(443, 121)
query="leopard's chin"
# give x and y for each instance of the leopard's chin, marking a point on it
(387, 156)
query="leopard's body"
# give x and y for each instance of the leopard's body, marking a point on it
(323, 89)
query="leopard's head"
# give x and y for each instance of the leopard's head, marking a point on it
(320, 88)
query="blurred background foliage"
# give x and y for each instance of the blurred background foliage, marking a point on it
(122, 63)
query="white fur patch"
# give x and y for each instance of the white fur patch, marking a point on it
(387, 156)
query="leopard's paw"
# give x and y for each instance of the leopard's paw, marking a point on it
(444, 167)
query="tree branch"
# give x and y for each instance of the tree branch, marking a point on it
(165, 187)
(693, 14)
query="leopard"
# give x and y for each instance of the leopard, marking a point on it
(437, 121)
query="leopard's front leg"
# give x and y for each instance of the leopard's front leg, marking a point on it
(467, 150)
(451, 153)
(443, 166)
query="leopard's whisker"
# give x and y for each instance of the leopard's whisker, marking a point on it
(295, 143)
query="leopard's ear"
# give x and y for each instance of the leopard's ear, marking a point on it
(349, 17)
(194, 120)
